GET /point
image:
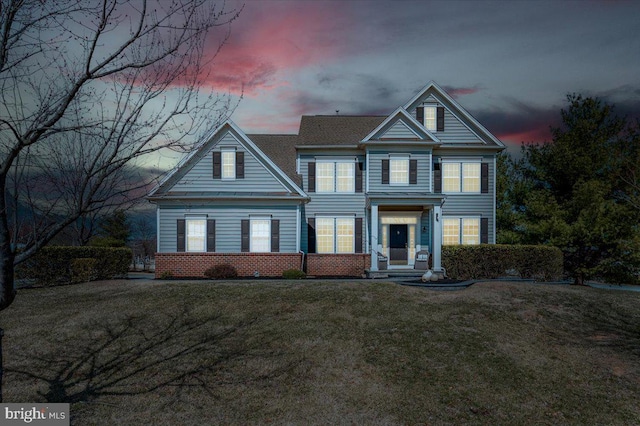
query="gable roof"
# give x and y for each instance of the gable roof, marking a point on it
(281, 149)
(167, 183)
(401, 114)
(336, 129)
(456, 109)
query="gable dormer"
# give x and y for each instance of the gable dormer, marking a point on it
(227, 164)
(400, 127)
(434, 109)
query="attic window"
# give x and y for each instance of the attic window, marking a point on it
(228, 164)
(430, 117)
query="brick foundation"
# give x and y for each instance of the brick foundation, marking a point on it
(193, 265)
(344, 265)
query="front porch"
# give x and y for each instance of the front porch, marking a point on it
(402, 228)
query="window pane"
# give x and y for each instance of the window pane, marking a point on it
(324, 177)
(344, 229)
(324, 235)
(430, 117)
(451, 177)
(471, 177)
(450, 232)
(228, 164)
(261, 236)
(196, 230)
(346, 177)
(399, 171)
(470, 231)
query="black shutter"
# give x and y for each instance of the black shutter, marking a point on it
(359, 167)
(311, 185)
(311, 236)
(440, 120)
(385, 171)
(484, 230)
(420, 115)
(437, 178)
(413, 172)
(358, 234)
(180, 243)
(217, 164)
(239, 165)
(484, 178)
(211, 235)
(275, 235)
(244, 235)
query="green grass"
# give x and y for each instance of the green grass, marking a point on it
(325, 352)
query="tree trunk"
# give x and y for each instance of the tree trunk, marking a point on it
(7, 255)
(578, 279)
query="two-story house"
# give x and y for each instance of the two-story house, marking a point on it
(333, 199)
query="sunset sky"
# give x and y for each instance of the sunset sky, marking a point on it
(510, 63)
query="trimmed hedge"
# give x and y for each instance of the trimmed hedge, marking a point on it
(486, 261)
(293, 274)
(63, 265)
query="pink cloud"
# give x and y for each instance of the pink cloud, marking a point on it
(455, 92)
(270, 37)
(538, 135)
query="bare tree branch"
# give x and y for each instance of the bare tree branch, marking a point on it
(89, 90)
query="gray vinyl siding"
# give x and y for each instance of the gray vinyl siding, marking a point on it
(399, 130)
(256, 177)
(454, 130)
(475, 205)
(227, 219)
(375, 171)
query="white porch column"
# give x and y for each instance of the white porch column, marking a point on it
(374, 237)
(437, 238)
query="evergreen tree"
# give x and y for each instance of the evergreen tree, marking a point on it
(574, 194)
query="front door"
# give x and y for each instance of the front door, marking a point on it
(398, 245)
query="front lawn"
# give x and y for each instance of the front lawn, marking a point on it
(325, 352)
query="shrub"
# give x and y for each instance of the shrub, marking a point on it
(82, 269)
(221, 272)
(166, 275)
(55, 265)
(293, 274)
(487, 261)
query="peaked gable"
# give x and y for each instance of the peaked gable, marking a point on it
(460, 127)
(400, 126)
(255, 173)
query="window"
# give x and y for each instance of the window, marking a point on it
(430, 118)
(324, 177)
(452, 227)
(344, 240)
(332, 176)
(260, 235)
(196, 234)
(461, 177)
(229, 164)
(399, 171)
(324, 235)
(335, 235)
(345, 173)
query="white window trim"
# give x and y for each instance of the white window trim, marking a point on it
(461, 181)
(251, 244)
(232, 152)
(396, 157)
(186, 233)
(334, 219)
(434, 108)
(335, 163)
(461, 220)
